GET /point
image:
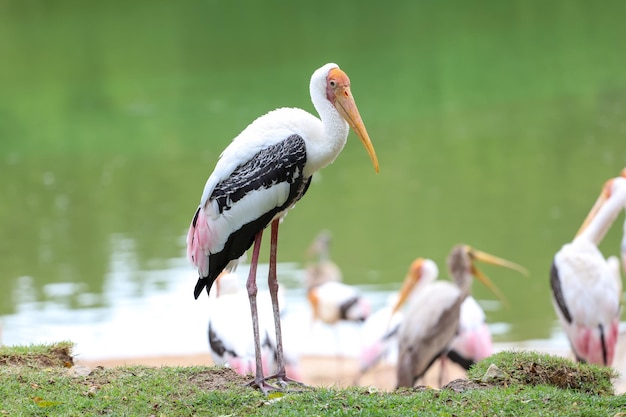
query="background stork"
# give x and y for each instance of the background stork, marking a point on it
(261, 175)
(333, 301)
(432, 317)
(380, 331)
(321, 268)
(230, 333)
(379, 335)
(586, 290)
(330, 299)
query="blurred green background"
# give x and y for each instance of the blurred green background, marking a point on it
(495, 123)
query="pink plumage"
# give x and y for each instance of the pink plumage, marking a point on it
(592, 346)
(198, 242)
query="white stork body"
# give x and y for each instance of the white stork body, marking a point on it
(259, 199)
(586, 291)
(429, 326)
(333, 301)
(379, 334)
(264, 171)
(379, 339)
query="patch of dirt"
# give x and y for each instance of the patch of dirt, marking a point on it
(219, 378)
(564, 376)
(56, 356)
(462, 385)
(530, 368)
(413, 390)
(458, 385)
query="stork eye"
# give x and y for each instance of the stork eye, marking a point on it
(332, 83)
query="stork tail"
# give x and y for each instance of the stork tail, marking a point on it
(201, 284)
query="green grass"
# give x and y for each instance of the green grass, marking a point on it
(37, 388)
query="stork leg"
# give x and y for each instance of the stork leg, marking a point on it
(259, 380)
(272, 283)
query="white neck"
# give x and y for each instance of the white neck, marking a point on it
(601, 223)
(624, 247)
(335, 128)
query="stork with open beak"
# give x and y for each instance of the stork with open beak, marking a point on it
(432, 316)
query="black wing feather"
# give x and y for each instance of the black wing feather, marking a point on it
(557, 291)
(279, 163)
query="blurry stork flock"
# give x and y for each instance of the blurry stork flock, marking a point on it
(261, 175)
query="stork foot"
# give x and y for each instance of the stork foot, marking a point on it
(262, 385)
(281, 379)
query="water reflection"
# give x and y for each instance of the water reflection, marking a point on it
(136, 312)
(149, 313)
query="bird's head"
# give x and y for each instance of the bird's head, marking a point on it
(461, 262)
(421, 271)
(610, 187)
(340, 96)
(320, 247)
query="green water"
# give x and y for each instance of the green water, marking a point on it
(495, 123)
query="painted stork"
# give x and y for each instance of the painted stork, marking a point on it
(380, 331)
(261, 175)
(586, 290)
(432, 318)
(322, 269)
(380, 334)
(330, 299)
(333, 301)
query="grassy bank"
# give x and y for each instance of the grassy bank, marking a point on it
(42, 380)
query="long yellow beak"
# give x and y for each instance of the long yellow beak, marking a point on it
(602, 198)
(314, 302)
(410, 281)
(345, 105)
(493, 260)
